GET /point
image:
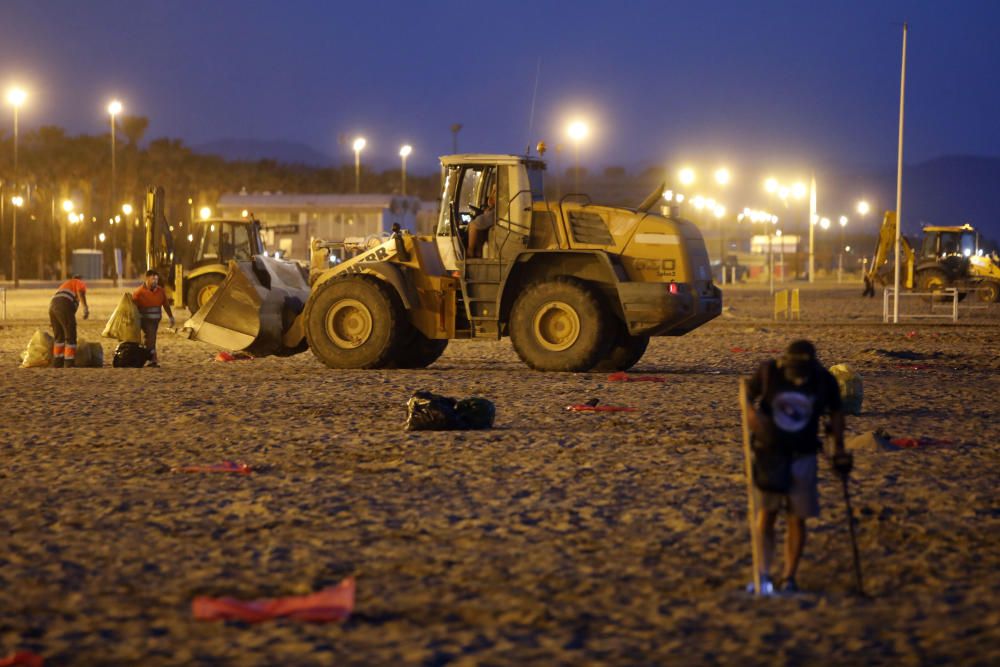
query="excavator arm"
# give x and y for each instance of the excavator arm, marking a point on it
(881, 270)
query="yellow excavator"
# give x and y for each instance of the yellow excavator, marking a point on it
(192, 274)
(949, 256)
(576, 286)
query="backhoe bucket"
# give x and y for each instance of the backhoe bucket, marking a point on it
(253, 308)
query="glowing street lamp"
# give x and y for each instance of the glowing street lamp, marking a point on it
(359, 145)
(686, 176)
(205, 213)
(771, 185)
(15, 97)
(404, 152)
(127, 209)
(723, 176)
(577, 131)
(863, 208)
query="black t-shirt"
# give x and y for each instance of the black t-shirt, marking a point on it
(794, 410)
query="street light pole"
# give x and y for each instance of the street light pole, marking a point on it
(840, 250)
(404, 153)
(15, 97)
(359, 145)
(812, 227)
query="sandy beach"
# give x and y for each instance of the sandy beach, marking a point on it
(554, 538)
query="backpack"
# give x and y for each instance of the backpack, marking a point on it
(771, 462)
(130, 355)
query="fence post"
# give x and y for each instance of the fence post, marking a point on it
(781, 303)
(794, 308)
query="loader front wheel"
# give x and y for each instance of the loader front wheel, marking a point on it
(560, 326)
(201, 290)
(626, 351)
(354, 323)
(419, 351)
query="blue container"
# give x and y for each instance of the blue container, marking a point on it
(88, 264)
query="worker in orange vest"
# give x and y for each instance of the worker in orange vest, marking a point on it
(149, 297)
(62, 315)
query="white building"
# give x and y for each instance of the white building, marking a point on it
(289, 221)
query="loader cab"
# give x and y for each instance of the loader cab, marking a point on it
(468, 180)
(949, 248)
(220, 241)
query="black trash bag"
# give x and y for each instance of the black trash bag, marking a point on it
(130, 355)
(429, 412)
(476, 412)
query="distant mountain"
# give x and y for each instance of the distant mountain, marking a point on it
(288, 152)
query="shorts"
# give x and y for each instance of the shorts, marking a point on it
(802, 499)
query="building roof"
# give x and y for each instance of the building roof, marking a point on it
(260, 202)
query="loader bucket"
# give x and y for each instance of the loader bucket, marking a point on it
(253, 308)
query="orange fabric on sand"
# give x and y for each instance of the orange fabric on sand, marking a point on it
(332, 604)
(147, 298)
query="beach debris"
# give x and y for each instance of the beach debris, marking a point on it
(851, 388)
(880, 440)
(592, 406)
(38, 354)
(237, 467)
(741, 350)
(233, 356)
(622, 376)
(330, 605)
(426, 411)
(26, 658)
(130, 355)
(124, 321)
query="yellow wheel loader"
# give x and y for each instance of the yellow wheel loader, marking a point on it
(949, 256)
(576, 286)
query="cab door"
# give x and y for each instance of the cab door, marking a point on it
(464, 197)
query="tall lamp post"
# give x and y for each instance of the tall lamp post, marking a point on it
(15, 97)
(577, 131)
(114, 108)
(404, 153)
(722, 179)
(840, 250)
(359, 145)
(67, 207)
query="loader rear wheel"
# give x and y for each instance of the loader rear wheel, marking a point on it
(989, 291)
(354, 323)
(419, 351)
(932, 280)
(560, 326)
(626, 351)
(201, 290)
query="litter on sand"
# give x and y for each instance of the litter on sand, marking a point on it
(226, 466)
(622, 376)
(330, 605)
(880, 440)
(431, 412)
(592, 406)
(233, 356)
(26, 658)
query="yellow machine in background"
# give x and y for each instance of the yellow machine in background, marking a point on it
(949, 256)
(576, 286)
(192, 274)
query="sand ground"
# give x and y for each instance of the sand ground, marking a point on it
(555, 538)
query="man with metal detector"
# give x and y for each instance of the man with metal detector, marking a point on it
(783, 404)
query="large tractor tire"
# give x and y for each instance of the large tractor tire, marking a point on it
(626, 351)
(932, 280)
(560, 325)
(201, 290)
(355, 322)
(418, 351)
(989, 291)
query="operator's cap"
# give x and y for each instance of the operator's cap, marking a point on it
(798, 360)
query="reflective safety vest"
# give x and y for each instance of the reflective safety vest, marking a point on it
(149, 301)
(71, 289)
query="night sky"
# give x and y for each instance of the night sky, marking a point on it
(780, 85)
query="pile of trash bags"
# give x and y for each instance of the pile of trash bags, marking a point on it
(38, 354)
(432, 412)
(851, 389)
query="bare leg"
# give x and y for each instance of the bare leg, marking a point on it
(795, 542)
(765, 533)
